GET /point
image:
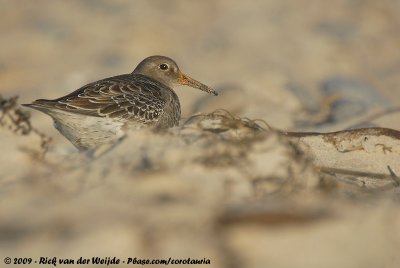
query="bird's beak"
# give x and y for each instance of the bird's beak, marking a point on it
(188, 81)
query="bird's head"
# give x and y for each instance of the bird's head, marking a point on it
(166, 71)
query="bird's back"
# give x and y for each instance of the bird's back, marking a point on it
(102, 109)
(129, 96)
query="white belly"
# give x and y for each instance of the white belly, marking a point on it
(87, 132)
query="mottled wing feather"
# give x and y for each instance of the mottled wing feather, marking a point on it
(126, 97)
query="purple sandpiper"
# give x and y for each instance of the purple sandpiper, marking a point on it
(103, 111)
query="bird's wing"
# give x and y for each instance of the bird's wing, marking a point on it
(126, 97)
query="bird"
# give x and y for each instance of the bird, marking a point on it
(104, 111)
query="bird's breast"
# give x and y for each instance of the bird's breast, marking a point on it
(172, 112)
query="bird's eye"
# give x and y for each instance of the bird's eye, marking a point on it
(164, 67)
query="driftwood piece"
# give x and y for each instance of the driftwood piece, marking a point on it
(367, 157)
(371, 155)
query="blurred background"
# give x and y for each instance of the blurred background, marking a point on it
(300, 65)
(269, 59)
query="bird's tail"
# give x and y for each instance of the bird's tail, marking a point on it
(41, 105)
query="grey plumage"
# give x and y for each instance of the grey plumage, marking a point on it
(101, 112)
